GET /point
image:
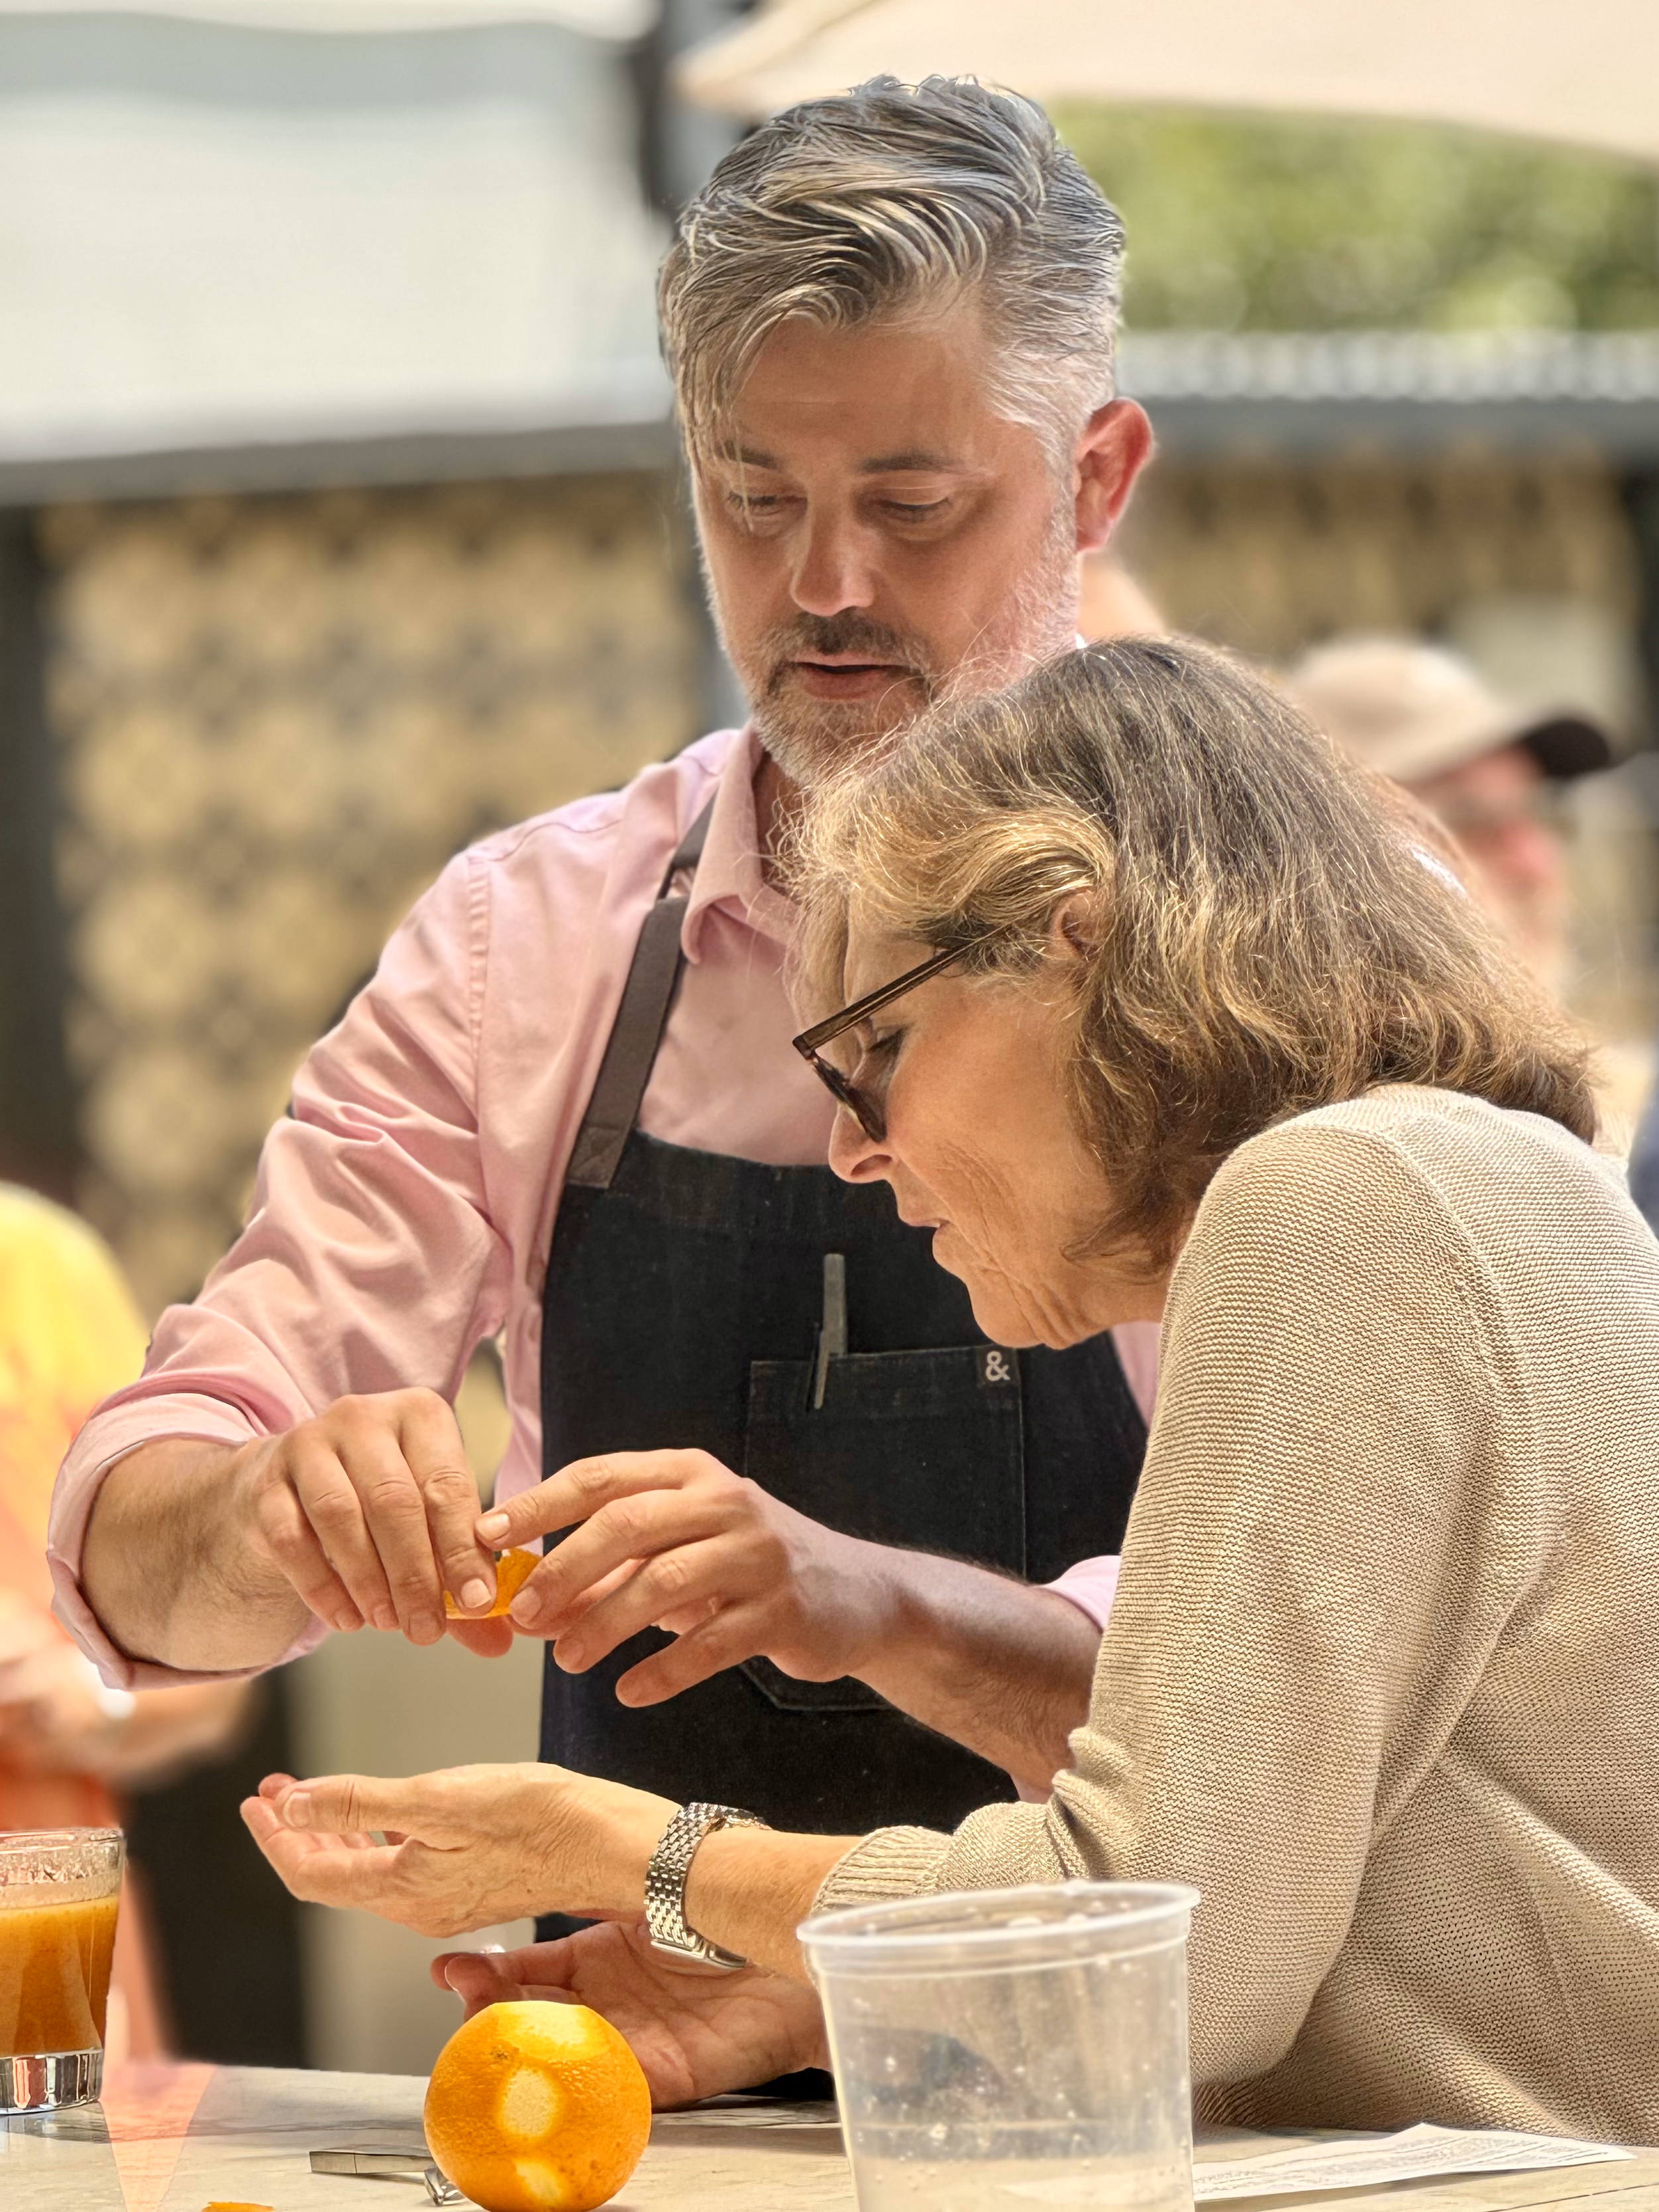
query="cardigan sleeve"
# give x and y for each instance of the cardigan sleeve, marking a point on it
(1334, 1522)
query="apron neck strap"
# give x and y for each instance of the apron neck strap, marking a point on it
(641, 1016)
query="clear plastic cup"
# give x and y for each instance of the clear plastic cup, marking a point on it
(60, 1892)
(1012, 2048)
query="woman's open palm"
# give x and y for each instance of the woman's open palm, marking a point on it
(697, 2031)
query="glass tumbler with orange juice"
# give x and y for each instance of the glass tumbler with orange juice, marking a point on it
(60, 1892)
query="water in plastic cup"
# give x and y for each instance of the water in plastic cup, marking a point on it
(59, 1894)
(1011, 2049)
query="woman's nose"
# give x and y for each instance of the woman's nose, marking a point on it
(855, 1155)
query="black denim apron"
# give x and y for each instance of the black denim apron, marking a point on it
(790, 1324)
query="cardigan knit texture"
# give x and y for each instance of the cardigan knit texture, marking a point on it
(1382, 1676)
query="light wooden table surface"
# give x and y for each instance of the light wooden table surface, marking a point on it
(173, 2139)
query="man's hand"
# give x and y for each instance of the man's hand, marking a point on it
(696, 2030)
(672, 1540)
(208, 1556)
(464, 1848)
(368, 1513)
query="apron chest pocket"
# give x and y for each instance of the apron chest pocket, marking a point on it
(921, 1451)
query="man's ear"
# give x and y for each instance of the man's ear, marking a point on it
(1114, 447)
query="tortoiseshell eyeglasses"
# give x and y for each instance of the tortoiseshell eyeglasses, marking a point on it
(866, 1103)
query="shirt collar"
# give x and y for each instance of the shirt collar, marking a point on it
(730, 875)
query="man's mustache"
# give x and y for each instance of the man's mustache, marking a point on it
(849, 634)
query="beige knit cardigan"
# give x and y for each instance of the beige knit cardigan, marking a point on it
(1381, 1678)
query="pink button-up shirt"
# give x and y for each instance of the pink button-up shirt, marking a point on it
(404, 1211)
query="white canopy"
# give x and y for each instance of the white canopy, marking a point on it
(214, 239)
(1586, 73)
(600, 19)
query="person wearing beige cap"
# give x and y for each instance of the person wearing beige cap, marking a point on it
(1422, 716)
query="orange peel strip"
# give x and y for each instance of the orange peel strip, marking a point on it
(512, 1570)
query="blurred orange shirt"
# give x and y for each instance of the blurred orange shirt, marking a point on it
(68, 1335)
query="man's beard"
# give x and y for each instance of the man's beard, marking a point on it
(809, 739)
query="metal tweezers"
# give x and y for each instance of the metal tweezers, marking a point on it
(379, 2162)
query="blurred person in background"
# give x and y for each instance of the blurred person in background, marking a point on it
(68, 1335)
(1113, 603)
(1423, 717)
(566, 1110)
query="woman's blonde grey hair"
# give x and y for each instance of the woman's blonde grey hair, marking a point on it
(894, 200)
(1252, 926)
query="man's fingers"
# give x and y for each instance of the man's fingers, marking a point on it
(578, 1491)
(328, 1496)
(292, 1542)
(394, 1511)
(431, 1440)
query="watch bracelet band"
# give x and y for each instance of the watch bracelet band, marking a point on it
(665, 1878)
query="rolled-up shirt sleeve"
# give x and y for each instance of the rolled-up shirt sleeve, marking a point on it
(369, 1260)
(1091, 1586)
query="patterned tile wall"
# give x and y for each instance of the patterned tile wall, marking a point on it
(277, 718)
(1267, 557)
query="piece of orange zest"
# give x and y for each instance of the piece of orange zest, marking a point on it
(512, 1571)
(219, 2205)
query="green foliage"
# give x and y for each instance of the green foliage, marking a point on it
(1288, 224)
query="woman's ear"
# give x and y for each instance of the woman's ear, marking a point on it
(1075, 927)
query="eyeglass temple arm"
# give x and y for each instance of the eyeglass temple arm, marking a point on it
(825, 1031)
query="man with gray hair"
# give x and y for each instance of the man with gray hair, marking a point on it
(816, 1506)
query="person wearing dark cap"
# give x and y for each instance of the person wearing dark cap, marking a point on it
(1424, 717)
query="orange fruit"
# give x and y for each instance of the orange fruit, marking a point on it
(536, 2108)
(512, 1571)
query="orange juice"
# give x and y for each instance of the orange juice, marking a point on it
(54, 1971)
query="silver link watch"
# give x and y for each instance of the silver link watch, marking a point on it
(664, 1882)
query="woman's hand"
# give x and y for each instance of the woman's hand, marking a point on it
(672, 1540)
(696, 2030)
(464, 1848)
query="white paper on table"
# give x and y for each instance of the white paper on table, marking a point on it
(755, 2112)
(1408, 2156)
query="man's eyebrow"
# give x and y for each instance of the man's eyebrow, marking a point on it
(918, 460)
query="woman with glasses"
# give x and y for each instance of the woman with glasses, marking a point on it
(1158, 1007)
